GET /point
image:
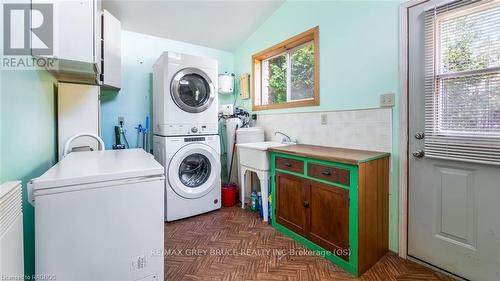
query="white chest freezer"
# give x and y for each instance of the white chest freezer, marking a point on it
(99, 216)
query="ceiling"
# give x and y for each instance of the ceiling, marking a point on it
(217, 24)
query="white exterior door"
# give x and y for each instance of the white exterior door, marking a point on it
(454, 193)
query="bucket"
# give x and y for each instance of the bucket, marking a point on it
(229, 194)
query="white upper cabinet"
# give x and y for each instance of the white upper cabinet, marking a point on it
(76, 32)
(112, 57)
(76, 29)
(77, 41)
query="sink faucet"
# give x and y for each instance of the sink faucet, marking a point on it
(286, 138)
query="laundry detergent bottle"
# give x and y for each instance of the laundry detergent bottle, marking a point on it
(253, 201)
(270, 207)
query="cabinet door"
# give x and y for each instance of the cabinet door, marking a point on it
(77, 112)
(290, 198)
(112, 58)
(328, 217)
(73, 30)
(74, 36)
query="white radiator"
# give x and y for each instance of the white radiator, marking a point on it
(11, 232)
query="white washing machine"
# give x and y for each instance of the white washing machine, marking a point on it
(192, 166)
(185, 98)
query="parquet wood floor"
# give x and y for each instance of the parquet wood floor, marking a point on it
(231, 244)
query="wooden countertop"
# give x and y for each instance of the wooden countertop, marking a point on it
(333, 154)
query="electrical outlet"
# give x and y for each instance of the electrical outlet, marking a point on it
(227, 109)
(324, 119)
(387, 100)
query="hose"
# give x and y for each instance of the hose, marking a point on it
(125, 139)
(232, 156)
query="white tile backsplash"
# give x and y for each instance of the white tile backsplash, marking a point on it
(369, 129)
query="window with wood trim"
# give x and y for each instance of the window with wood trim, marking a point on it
(287, 74)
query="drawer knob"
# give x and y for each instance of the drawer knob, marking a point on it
(288, 164)
(306, 204)
(327, 173)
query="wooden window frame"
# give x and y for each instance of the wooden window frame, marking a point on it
(311, 35)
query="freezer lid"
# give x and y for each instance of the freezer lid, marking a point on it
(98, 166)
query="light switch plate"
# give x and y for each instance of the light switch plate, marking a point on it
(387, 100)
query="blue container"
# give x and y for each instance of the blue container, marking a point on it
(253, 201)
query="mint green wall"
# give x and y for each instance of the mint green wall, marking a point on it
(358, 60)
(28, 137)
(139, 53)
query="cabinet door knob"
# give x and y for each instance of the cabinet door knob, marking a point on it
(327, 173)
(288, 164)
(306, 204)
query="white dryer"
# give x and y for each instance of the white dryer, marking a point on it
(192, 166)
(185, 98)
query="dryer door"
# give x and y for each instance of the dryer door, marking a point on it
(194, 170)
(192, 90)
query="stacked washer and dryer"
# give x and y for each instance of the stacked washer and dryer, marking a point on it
(186, 140)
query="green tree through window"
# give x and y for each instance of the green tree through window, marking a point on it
(287, 74)
(301, 75)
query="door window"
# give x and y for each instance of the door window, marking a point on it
(462, 48)
(192, 90)
(194, 170)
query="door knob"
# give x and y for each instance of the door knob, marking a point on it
(306, 204)
(418, 153)
(419, 135)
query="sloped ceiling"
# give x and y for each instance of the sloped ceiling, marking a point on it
(217, 24)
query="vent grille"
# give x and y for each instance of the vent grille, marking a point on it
(10, 207)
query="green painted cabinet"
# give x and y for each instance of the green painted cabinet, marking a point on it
(290, 198)
(333, 204)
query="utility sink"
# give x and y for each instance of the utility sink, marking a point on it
(254, 155)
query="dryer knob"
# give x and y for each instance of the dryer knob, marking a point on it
(194, 129)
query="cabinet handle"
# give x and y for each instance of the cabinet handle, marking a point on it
(306, 204)
(327, 173)
(288, 164)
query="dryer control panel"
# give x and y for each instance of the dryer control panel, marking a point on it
(190, 129)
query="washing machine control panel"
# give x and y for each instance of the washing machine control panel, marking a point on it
(194, 130)
(201, 139)
(194, 139)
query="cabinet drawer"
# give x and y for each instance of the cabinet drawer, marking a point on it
(291, 165)
(331, 174)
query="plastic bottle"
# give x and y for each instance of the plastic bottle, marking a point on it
(259, 200)
(270, 207)
(253, 201)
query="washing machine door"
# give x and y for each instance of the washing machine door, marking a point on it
(194, 171)
(192, 90)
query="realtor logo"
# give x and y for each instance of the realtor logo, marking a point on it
(28, 29)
